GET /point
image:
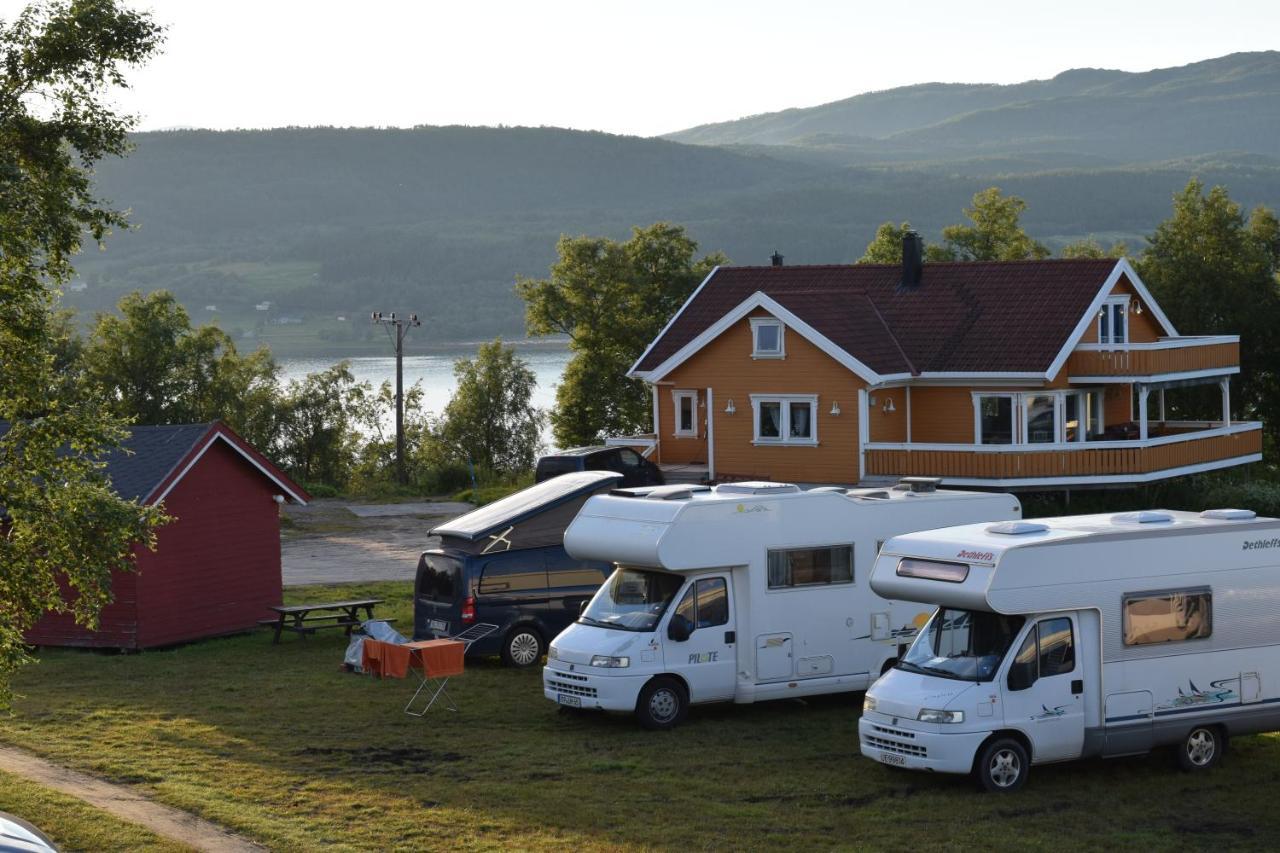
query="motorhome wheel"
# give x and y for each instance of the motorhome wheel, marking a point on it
(1002, 766)
(662, 704)
(1202, 748)
(522, 648)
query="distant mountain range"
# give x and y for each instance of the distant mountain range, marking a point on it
(1083, 117)
(293, 236)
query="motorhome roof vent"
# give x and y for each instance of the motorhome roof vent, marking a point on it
(1229, 514)
(822, 490)
(674, 492)
(756, 487)
(919, 485)
(1017, 528)
(873, 494)
(1146, 516)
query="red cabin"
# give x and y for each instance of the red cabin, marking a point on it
(216, 567)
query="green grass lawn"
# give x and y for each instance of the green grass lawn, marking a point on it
(275, 742)
(75, 825)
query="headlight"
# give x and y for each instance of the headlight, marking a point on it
(553, 653)
(605, 660)
(929, 715)
(868, 703)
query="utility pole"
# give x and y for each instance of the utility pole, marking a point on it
(402, 327)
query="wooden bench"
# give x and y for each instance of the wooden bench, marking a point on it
(304, 619)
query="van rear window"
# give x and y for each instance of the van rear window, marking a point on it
(933, 570)
(437, 578)
(1168, 616)
(548, 468)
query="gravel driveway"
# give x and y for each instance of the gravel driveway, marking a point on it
(334, 541)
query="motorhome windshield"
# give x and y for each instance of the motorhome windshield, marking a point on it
(967, 645)
(632, 600)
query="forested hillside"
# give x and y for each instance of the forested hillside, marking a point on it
(327, 225)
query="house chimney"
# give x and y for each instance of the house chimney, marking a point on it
(912, 258)
(776, 258)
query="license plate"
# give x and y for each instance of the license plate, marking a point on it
(439, 625)
(895, 760)
(571, 701)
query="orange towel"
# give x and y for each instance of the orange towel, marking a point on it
(386, 660)
(437, 658)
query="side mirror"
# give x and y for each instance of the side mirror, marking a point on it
(679, 628)
(582, 606)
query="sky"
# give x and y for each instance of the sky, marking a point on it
(641, 68)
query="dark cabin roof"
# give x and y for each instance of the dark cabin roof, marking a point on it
(1008, 316)
(148, 457)
(525, 504)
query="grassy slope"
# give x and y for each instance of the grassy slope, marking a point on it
(75, 825)
(275, 742)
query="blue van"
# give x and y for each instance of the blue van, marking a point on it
(505, 564)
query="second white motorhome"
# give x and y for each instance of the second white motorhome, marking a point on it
(1062, 638)
(744, 592)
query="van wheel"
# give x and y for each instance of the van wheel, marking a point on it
(1002, 766)
(522, 648)
(1202, 748)
(662, 704)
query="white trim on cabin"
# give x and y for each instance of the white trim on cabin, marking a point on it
(642, 374)
(1106, 444)
(1110, 307)
(216, 436)
(759, 300)
(711, 435)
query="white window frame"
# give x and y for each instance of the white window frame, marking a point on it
(756, 352)
(1021, 422)
(785, 426)
(1015, 406)
(676, 397)
(1122, 302)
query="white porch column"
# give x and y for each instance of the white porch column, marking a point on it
(1225, 384)
(1162, 416)
(711, 435)
(1143, 391)
(863, 433)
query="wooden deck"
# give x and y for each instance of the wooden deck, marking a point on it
(1102, 462)
(1166, 356)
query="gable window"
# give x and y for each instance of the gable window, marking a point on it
(1113, 326)
(785, 419)
(686, 413)
(766, 338)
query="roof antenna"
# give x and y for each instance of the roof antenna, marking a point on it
(776, 257)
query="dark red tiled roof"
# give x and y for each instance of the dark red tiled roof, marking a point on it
(1008, 316)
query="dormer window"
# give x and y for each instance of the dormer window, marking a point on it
(766, 337)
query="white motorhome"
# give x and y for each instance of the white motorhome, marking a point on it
(1062, 638)
(742, 592)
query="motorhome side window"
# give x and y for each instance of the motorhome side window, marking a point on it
(706, 604)
(810, 566)
(1167, 616)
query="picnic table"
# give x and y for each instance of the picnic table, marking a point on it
(304, 619)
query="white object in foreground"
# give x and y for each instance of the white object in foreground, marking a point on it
(1063, 638)
(744, 592)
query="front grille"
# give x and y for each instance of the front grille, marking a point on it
(902, 733)
(572, 689)
(886, 745)
(572, 676)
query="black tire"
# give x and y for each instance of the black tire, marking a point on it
(1002, 766)
(1201, 749)
(523, 647)
(662, 704)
